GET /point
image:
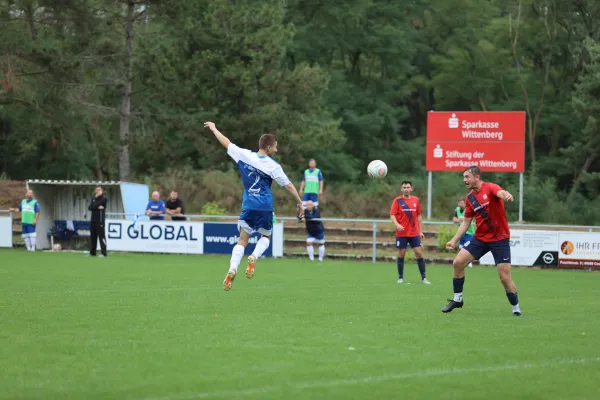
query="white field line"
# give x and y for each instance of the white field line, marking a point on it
(373, 379)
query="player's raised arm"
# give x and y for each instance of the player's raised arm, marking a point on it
(504, 195)
(220, 137)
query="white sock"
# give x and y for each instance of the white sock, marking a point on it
(311, 252)
(32, 241)
(321, 252)
(458, 297)
(516, 308)
(27, 242)
(261, 246)
(236, 257)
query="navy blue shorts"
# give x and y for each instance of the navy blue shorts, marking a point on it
(500, 250)
(256, 221)
(402, 242)
(465, 239)
(28, 230)
(310, 196)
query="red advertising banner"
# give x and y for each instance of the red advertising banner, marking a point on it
(495, 141)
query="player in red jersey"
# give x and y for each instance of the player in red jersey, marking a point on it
(485, 203)
(406, 216)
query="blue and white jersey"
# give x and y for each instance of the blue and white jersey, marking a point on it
(258, 172)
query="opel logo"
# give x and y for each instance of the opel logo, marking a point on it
(548, 258)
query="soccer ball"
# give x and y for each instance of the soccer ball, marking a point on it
(57, 247)
(377, 169)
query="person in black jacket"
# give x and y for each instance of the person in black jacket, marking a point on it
(98, 209)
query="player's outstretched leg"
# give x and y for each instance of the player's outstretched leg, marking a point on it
(236, 257)
(261, 246)
(463, 258)
(510, 288)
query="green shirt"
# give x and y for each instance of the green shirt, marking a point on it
(461, 214)
(311, 180)
(28, 210)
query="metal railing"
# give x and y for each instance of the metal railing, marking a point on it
(373, 222)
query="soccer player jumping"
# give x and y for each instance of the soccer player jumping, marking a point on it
(485, 202)
(258, 170)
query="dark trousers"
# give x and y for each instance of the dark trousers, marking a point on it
(97, 233)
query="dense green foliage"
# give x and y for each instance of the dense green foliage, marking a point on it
(342, 81)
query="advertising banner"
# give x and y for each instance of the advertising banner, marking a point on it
(6, 231)
(154, 236)
(579, 250)
(220, 238)
(494, 141)
(529, 248)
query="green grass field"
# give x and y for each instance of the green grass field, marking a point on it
(161, 327)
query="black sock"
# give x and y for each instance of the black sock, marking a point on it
(400, 267)
(421, 264)
(513, 298)
(458, 284)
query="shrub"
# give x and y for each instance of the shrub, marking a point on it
(444, 234)
(213, 208)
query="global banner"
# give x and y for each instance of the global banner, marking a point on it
(494, 141)
(579, 250)
(155, 236)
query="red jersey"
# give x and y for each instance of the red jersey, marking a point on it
(489, 213)
(406, 212)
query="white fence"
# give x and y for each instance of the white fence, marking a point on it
(6, 237)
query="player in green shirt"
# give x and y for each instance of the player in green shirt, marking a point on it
(459, 214)
(30, 212)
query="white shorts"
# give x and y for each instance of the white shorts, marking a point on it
(311, 240)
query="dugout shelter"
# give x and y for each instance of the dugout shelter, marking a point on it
(64, 205)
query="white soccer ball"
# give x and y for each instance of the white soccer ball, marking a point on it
(377, 169)
(57, 247)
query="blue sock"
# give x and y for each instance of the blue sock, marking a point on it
(513, 298)
(458, 284)
(400, 268)
(421, 264)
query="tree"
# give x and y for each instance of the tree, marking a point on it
(586, 103)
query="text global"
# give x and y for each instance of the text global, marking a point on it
(166, 232)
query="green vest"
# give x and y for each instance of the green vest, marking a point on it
(311, 181)
(28, 211)
(461, 214)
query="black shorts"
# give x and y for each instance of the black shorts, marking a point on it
(500, 249)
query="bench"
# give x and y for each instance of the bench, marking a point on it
(60, 231)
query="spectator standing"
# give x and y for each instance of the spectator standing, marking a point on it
(312, 184)
(97, 233)
(30, 212)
